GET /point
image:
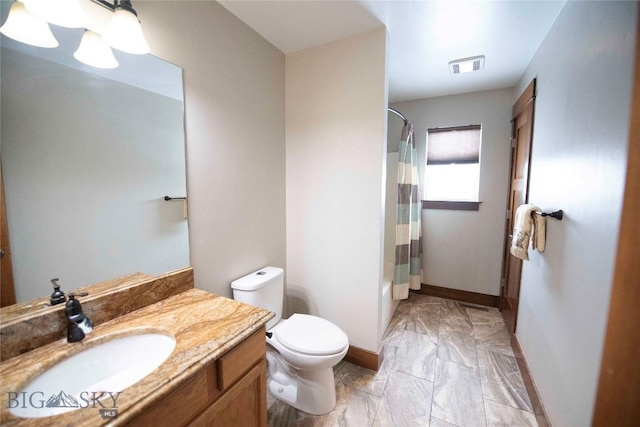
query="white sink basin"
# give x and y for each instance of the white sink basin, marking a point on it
(105, 369)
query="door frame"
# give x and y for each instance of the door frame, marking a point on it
(618, 390)
(525, 100)
(7, 288)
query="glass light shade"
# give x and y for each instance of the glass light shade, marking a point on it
(125, 33)
(65, 13)
(94, 51)
(27, 28)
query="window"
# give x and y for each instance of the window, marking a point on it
(452, 172)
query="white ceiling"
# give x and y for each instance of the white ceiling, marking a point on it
(423, 36)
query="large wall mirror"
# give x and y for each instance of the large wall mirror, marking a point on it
(87, 158)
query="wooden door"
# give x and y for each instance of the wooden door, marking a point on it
(7, 291)
(521, 137)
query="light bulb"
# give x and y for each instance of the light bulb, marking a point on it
(94, 51)
(23, 26)
(65, 13)
(125, 33)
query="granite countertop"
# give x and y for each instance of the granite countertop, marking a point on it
(28, 309)
(204, 325)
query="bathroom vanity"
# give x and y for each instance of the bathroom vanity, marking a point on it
(229, 391)
(215, 375)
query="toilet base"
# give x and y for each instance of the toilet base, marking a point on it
(313, 392)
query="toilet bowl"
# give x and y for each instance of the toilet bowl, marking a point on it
(302, 350)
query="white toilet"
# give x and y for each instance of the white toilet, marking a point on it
(302, 350)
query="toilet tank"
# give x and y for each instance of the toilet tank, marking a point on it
(263, 288)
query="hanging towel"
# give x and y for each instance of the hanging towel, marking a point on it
(539, 239)
(527, 227)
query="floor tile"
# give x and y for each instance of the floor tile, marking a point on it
(506, 416)
(457, 395)
(493, 336)
(446, 364)
(424, 319)
(456, 324)
(393, 334)
(353, 408)
(439, 423)
(501, 380)
(495, 364)
(365, 379)
(402, 310)
(416, 355)
(281, 415)
(507, 393)
(453, 309)
(458, 348)
(423, 299)
(487, 315)
(338, 370)
(406, 402)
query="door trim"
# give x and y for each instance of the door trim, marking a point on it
(528, 95)
(7, 288)
(524, 101)
(619, 384)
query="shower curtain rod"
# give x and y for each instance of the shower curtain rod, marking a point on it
(393, 110)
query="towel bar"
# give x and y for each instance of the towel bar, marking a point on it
(557, 214)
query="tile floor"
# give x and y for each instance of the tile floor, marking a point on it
(445, 364)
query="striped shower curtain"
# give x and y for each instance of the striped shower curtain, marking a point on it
(408, 266)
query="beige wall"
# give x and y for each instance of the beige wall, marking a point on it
(336, 142)
(463, 249)
(234, 103)
(584, 73)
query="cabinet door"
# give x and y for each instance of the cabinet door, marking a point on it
(181, 405)
(244, 404)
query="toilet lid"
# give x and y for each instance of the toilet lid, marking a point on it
(311, 335)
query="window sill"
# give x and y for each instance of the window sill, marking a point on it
(451, 205)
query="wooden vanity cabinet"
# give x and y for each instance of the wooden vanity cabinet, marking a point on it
(230, 391)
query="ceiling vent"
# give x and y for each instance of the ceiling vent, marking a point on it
(466, 65)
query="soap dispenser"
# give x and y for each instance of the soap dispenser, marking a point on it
(78, 324)
(57, 297)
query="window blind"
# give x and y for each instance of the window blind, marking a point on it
(459, 145)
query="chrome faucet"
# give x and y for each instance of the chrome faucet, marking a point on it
(78, 324)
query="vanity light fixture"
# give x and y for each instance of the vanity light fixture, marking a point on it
(28, 22)
(23, 26)
(94, 51)
(124, 32)
(64, 13)
(466, 65)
